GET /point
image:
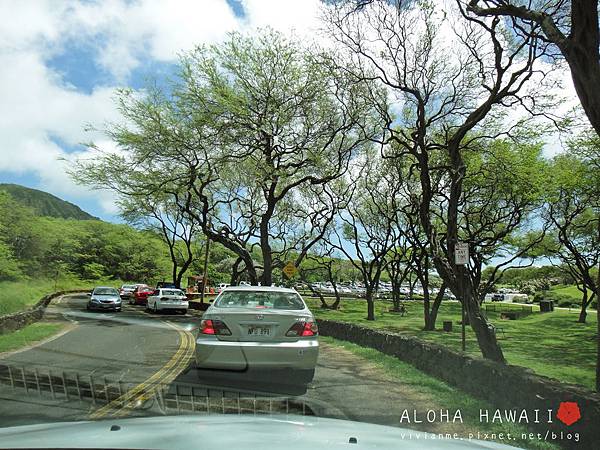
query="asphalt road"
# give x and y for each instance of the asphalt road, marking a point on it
(136, 363)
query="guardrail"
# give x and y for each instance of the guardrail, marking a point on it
(172, 397)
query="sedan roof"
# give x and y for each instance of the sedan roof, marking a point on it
(260, 289)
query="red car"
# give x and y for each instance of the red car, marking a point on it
(140, 295)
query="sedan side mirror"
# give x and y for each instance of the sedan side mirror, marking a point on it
(89, 294)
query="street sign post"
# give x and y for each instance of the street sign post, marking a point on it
(461, 254)
(461, 259)
(290, 270)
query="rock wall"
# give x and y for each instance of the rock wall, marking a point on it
(16, 321)
(504, 386)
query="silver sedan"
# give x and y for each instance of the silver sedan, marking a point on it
(258, 327)
(104, 298)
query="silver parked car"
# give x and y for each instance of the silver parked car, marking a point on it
(168, 299)
(104, 298)
(258, 327)
(126, 290)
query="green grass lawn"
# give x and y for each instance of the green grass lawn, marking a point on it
(443, 395)
(551, 344)
(28, 335)
(19, 295)
(570, 291)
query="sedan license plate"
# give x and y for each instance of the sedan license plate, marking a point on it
(259, 331)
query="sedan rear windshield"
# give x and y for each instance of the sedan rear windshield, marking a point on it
(172, 292)
(106, 291)
(274, 300)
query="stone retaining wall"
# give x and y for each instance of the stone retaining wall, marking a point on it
(506, 387)
(16, 321)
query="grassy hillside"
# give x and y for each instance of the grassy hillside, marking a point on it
(20, 295)
(45, 204)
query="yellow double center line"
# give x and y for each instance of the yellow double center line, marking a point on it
(145, 390)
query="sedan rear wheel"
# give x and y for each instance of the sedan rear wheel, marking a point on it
(155, 308)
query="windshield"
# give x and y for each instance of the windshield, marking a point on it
(106, 291)
(341, 223)
(250, 299)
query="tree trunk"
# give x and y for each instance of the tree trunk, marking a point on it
(598, 330)
(396, 282)
(433, 313)
(582, 56)
(584, 304)
(267, 276)
(235, 273)
(336, 294)
(423, 277)
(486, 338)
(336, 304)
(174, 274)
(184, 267)
(426, 310)
(252, 275)
(332, 280)
(395, 297)
(370, 304)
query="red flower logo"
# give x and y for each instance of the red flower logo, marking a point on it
(568, 413)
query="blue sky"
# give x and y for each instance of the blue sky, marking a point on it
(62, 62)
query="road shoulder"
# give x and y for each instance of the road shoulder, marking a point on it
(33, 335)
(367, 386)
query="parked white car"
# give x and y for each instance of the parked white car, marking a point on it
(168, 299)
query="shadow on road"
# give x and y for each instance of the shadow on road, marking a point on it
(252, 381)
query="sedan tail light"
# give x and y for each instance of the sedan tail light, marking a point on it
(217, 327)
(303, 329)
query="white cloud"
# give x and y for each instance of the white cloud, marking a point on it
(40, 109)
(284, 15)
(37, 111)
(134, 31)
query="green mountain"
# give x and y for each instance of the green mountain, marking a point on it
(45, 204)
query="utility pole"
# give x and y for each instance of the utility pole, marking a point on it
(204, 276)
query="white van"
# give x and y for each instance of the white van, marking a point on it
(221, 287)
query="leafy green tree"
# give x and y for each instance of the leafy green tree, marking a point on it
(253, 136)
(571, 26)
(447, 92)
(368, 222)
(9, 266)
(20, 233)
(177, 229)
(573, 210)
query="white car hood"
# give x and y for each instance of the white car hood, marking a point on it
(227, 432)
